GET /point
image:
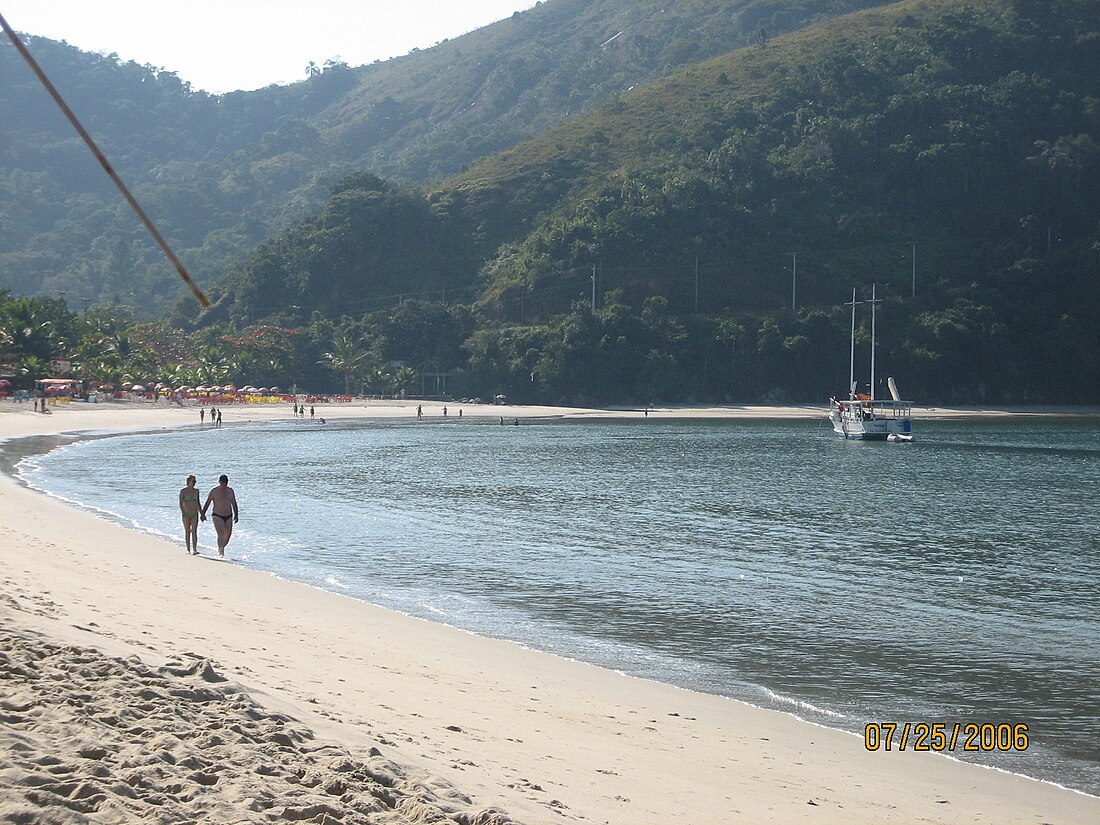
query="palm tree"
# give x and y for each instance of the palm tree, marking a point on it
(212, 366)
(34, 367)
(347, 357)
(404, 380)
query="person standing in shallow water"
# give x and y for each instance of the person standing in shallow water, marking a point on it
(189, 507)
(226, 514)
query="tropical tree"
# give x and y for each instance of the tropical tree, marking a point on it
(346, 357)
(33, 367)
(213, 365)
(403, 380)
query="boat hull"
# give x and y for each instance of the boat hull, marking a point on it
(878, 422)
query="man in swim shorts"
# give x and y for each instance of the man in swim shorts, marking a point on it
(224, 502)
(189, 507)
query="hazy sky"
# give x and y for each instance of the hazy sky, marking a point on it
(225, 45)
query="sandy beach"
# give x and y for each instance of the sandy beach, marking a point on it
(138, 683)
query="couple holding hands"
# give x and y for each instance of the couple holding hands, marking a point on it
(224, 502)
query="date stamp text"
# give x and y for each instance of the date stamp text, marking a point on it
(945, 736)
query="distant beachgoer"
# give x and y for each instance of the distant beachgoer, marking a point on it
(226, 514)
(444, 412)
(419, 412)
(202, 415)
(310, 412)
(189, 507)
(516, 422)
(502, 421)
(219, 418)
(322, 419)
(36, 406)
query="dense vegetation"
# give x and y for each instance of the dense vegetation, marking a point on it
(219, 174)
(943, 149)
(645, 251)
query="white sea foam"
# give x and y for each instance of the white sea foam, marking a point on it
(801, 705)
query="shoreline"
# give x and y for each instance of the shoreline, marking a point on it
(545, 739)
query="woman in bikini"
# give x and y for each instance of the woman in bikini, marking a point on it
(225, 511)
(189, 507)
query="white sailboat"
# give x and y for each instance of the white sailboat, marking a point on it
(862, 415)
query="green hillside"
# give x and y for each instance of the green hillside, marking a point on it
(962, 137)
(219, 174)
(695, 238)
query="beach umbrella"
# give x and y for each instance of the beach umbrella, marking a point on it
(136, 388)
(127, 385)
(4, 382)
(276, 389)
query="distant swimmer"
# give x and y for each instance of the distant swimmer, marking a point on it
(189, 507)
(226, 514)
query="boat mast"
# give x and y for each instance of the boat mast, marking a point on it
(874, 303)
(852, 357)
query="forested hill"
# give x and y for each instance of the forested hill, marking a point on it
(218, 174)
(947, 151)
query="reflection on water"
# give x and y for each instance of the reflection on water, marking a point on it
(954, 578)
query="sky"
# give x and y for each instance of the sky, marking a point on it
(225, 45)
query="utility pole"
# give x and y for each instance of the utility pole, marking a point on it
(794, 278)
(697, 282)
(914, 245)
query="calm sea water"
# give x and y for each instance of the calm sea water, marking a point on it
(953, 579)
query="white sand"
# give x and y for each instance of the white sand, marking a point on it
(135, 722)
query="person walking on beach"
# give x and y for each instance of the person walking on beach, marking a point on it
(189, 507)
(226, 514)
